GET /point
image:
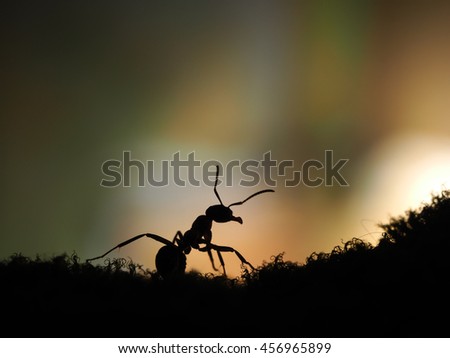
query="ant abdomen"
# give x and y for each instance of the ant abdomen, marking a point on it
(170, 261)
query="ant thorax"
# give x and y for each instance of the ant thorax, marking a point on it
(202, 224)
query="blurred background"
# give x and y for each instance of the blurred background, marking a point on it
(84, 81)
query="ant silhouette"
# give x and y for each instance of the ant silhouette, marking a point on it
(170, 260)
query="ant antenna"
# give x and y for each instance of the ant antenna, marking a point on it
(215, 185)
(239, 202)
(251, 196)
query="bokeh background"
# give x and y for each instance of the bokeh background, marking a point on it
(84, 81)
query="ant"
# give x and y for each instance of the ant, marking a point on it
(171, 258)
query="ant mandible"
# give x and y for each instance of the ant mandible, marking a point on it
(171, 258)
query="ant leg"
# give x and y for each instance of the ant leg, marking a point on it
(129, 241)
(207, 240)
(229, 249)
(222, 262)
(212, 260)
(178, 237)
(208, 250)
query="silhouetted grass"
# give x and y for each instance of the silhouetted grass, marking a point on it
(397, 288)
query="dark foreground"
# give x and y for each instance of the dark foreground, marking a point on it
(398, 288)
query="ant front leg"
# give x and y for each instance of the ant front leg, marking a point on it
(208, 237)
(220, 249)
(222, 262)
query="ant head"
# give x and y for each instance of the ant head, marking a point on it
(221, 213)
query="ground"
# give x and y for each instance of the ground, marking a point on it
(394, 289)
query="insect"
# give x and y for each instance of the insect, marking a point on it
(170, 260)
